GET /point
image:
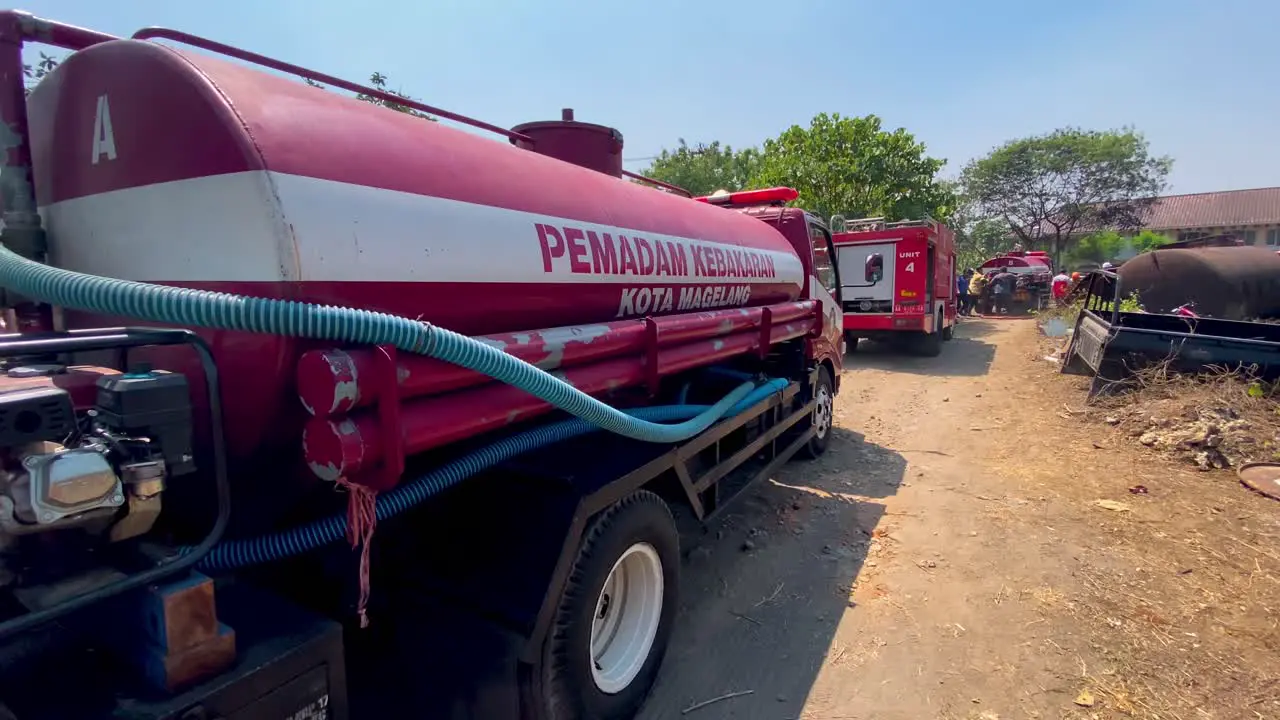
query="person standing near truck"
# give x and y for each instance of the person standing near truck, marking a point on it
(1001, 291)
(962, 292)
(1061, 283)
(977, 290)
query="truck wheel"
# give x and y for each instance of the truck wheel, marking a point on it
(615, 616)
(850, 343)
(823, 414)
(930, 344)
(948, 332)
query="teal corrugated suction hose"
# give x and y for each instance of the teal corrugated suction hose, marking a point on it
(200, 308)
(205, 309)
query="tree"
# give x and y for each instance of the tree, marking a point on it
(1148, 240)
(852, 167)
(379, 81)
(979, 241)
(1050, 187)
(1109, 245)
(706, 168)
(1097, 248)
(33, 74)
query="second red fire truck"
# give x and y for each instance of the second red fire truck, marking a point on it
(897, 281)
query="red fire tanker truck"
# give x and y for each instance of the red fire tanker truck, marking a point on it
(897, 281)
(235, 293)
(1034, 272)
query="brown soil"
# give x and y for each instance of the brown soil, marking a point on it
(950, 558)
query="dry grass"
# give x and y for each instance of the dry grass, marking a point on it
(1217, 420)
(1188, 625)
(1180, 596)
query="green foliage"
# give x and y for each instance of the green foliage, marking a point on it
(706, 168)
(981, 240)
(1131, 303)
(1108, 246)
(1148, 240)
(1050, 187)
(1097, 248)
(33, 74)
(847, 166)
(379, 81)
(853, 167)
(1068, 313)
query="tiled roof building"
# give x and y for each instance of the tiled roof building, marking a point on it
(1251, 215)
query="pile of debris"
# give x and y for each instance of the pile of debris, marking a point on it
(1214, 425)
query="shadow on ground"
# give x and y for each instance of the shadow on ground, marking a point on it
(976, 327)
(765, 586)
(965, 355)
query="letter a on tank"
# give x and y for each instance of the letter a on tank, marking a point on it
(104, 138)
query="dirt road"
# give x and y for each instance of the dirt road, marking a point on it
(947, 559)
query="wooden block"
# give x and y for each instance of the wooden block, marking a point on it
(174, 671)
(180, 615)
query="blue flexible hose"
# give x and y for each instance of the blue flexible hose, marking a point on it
(201, 308)
(304, 538)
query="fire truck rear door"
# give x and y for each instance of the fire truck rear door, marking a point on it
(867, 273)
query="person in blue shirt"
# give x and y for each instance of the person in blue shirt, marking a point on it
(963, 304)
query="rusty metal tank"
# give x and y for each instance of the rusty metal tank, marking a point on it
(1231, 283)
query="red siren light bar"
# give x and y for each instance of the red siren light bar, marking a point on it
(768, 196)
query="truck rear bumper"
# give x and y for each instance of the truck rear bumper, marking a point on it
(875, 324)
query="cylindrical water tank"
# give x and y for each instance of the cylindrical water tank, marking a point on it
(1232, 283)
(171, 167)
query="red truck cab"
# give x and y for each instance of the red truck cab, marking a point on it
(897, 281)
(813, 242)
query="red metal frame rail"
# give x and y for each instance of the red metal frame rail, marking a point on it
(17, 193)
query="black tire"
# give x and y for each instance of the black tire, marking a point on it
(850, 343)
(823, 416)
(948, 332)
(564, 687)
(930, 344)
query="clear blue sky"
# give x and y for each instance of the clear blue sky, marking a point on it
(1200, 77)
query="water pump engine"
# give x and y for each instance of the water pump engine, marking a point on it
(102, 467)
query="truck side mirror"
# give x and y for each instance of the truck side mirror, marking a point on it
(874, 268)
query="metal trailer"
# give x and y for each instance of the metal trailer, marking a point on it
(1110, 345)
